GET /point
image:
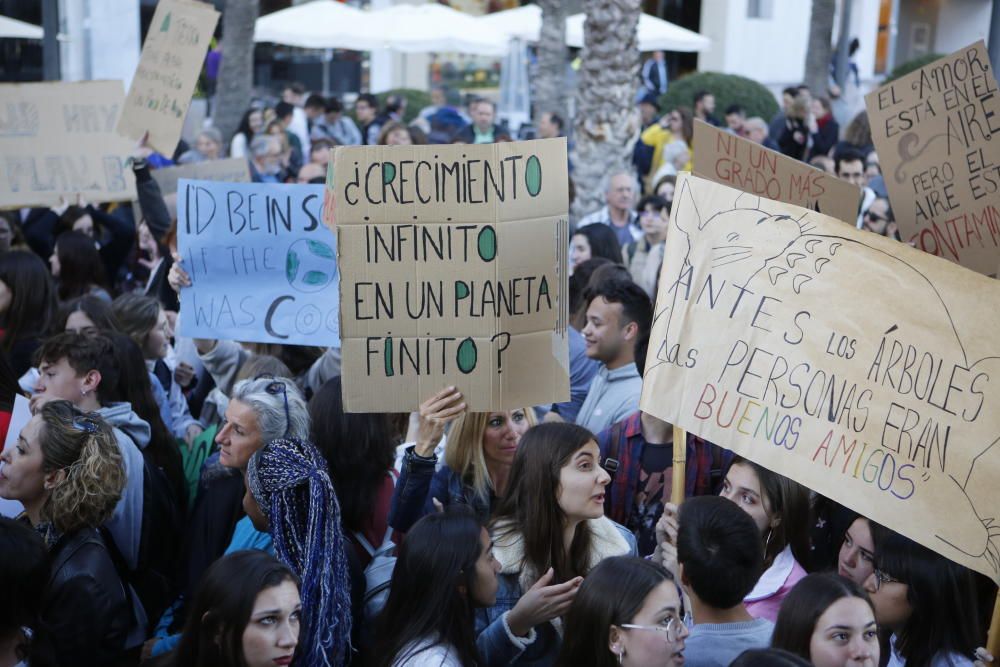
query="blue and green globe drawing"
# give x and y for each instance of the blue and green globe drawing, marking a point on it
(310, 265)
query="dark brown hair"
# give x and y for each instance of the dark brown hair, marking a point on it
(805, 603)
(531, 508)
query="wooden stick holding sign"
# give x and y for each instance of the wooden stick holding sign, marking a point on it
(680, 466)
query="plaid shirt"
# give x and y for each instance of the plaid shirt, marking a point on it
(707, 464)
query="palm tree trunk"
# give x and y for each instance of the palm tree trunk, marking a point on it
(550, 78)
(236, 71)
(607, 120)
(818, 55)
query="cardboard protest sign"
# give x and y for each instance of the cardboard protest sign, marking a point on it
(725, 158)
(231, 170)
(854, 364)
(20, 416)
(168, 69)
(453, 263)
(263, 267)
(936, 131)
(59, 139)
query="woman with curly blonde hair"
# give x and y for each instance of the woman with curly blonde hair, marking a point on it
(67, 471)
(478, 458)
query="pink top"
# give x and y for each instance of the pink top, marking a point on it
(764, 600)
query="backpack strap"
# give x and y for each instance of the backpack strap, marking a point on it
(611, 461)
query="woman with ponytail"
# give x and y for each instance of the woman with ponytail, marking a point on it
(289, 494)
(67, 471)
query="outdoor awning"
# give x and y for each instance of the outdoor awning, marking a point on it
(326, 24)
(19, 29)
(654, 34)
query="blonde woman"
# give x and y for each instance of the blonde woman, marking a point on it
(67, 471)
(480, 452)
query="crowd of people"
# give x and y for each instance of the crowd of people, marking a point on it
(290, 140)
(189, 502)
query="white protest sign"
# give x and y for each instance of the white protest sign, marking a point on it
(263, 266)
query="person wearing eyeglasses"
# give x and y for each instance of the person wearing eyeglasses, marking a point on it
(880, 219)
(67, 471)
(628, 611)
(925, 601)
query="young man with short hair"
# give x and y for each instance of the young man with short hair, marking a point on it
(703, 105)
(366, 111)
(618, 314)
(294, 94)
(850, 166)
(719, 560)
(550, 125)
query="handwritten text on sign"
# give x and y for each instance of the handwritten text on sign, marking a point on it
(453, 261)
(262, 264)
(168, 69)
(766, 342)
(936, 131)
(726, 158)
(59, 139)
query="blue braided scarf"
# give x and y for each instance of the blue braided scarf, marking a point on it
(288, 478)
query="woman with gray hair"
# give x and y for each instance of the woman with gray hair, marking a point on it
(208, 146)
(259, 411)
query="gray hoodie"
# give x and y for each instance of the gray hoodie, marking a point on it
(132, 434)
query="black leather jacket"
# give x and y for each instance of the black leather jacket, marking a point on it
(86, 609)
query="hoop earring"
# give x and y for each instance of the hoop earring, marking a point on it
(767, 541)
(620, 656)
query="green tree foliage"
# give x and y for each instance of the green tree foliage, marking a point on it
(727, 88)
(912, 66)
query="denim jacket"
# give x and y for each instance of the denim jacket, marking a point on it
(497, 645)
(419, 485)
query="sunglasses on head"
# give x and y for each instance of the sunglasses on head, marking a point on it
(275, 388)
(85, 423)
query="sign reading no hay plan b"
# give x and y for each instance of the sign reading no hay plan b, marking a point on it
(59, 140)
(768, 340)
(453, 272)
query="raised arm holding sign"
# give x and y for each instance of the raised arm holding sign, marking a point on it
(853, 364)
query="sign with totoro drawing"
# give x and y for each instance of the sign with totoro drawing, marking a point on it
(852, 363)
(453, 263)
(262, 264)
